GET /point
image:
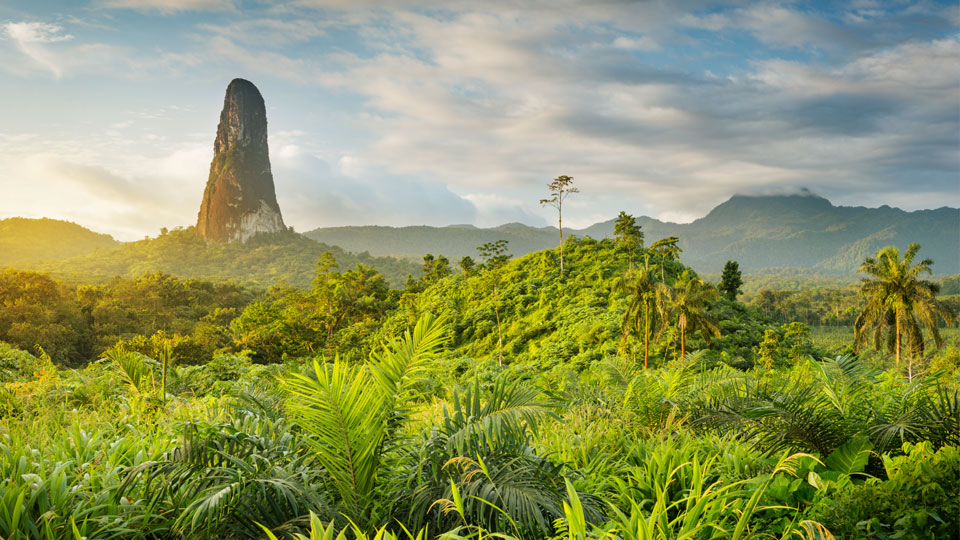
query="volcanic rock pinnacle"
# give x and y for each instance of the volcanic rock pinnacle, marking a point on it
(240, 200)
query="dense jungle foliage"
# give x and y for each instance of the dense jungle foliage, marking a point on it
(489, 398)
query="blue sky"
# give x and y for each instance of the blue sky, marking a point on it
(401, 112)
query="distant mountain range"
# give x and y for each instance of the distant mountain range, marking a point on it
(760, 232)
(765, 234)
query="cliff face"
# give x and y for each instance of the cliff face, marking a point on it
(240, 200)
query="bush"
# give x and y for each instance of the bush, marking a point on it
(918, 500)
(20, 366)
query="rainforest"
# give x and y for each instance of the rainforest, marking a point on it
(479, 270)
(494, 398)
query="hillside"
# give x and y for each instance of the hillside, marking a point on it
(552, 326)
(260, 262)
(762, 232)
(23, 239)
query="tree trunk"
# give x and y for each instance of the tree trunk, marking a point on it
(683, 349)
(560, 219)
(496, 311)
(165, 353)
(898, 341)
(163, 379)
(646, 336)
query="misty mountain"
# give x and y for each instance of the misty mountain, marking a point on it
(761, 232)
(23, 239)
(262, 261)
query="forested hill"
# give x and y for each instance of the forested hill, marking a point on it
(261, 262)
(761, 232)
(23, 239)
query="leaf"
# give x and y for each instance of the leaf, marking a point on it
(850, 458)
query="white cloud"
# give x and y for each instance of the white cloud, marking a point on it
(500, 102)
(170, 6)
(35, 32)
(643, 43)
(104, 200)
(49, 47)
(31, 38)
(494, 209)
(269, 32)
(311, 194)
(782, 26)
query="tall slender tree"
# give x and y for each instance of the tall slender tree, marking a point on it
(899, 303)
(629, 236)
(560, 189)
(688, 306)
(666, 248)
(643, 312)
(495, 255)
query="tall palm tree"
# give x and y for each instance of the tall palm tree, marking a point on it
(898, 303)
(643, 311)
(667, 248)
(688, 306)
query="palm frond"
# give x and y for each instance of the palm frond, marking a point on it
(342, 414)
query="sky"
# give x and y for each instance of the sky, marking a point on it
(404, 113)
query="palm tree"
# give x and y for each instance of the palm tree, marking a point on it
(667, 248)
(643, 311)
(898, 303)
(481, 453)
(688, 304)
(350, 415)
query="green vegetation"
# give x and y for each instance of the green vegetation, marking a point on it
(263, 261)
(898, 303)
(623, 399)
(731, 280)
(24, 240)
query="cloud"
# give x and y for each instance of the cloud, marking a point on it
(273, 32)
(406, 113)
(170, 6)
(35, 32)
(782, 26)
(126, 207)
(502, 102)
(31, 38)
(494, 209)
(313, 194)
(643, 43)
(50, 48)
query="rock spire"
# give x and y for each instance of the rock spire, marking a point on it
(240, 200)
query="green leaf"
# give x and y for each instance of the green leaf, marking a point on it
(850, 458)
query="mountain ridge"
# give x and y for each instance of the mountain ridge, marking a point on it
(30, 239)
(759, 231)
(762, 233)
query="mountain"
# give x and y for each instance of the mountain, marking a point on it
(760, 232)
(23, 239)
(262, 261)
(240, 199)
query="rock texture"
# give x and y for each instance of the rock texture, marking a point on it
(240, 200)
